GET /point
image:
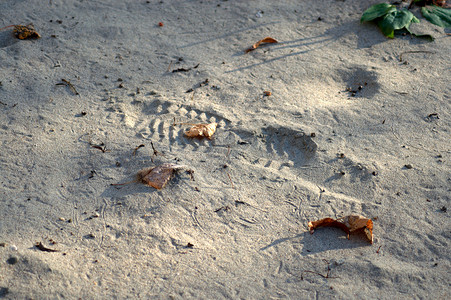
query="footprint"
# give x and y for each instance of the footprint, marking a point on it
(276, 147)
(332, 88)
(161, 128)
(273, 146)
(360, 81)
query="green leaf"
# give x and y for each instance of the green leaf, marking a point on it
(385, 24)
(377, 11)
(437, 15)
(395, 20)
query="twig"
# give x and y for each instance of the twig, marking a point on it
(70, 85)
(7, 27)
(198, 223)
(136, 149)
(230, 180)
(155, 152)
(414, 51)
(324, 276)
(184, 69)
(225, 208)
(103, 149)
(169, 67)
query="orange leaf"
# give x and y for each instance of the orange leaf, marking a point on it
(25, 32)
(327, 222)
(355, 223)
(202, 130)
(348, 224)
(257, 44)
(158, 177)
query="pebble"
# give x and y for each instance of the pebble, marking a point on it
(337, 262)
(13, 248)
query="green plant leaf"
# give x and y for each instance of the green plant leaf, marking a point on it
(395, 20)
(377, 11)
(437, 15)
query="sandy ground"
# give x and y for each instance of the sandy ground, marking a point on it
(239, 229)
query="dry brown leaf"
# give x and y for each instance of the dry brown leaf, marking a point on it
(348, 224)
(328, 222)
(202, 130)
(158, 177)
(257, 44)
(23, 32)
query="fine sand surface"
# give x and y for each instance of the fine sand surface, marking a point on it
(239, 229)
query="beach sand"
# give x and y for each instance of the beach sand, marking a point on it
(355, 125)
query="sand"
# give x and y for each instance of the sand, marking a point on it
(238, 228)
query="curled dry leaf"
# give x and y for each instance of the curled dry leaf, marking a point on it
(257, 44)
(41, 247)
(158, 177)
(348, 224)
(23, 32)
(202, 130)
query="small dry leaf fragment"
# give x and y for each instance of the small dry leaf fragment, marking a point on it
(158, 177)
(23, 32)
(348, 224)
(202, 130)
(41, 247)
(267, 93)
(257, 44)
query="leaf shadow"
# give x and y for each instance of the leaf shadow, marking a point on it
(322, 40)
(228, 34)
(7, 38)
(326, 239)
(280, 241)
(366, 35)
